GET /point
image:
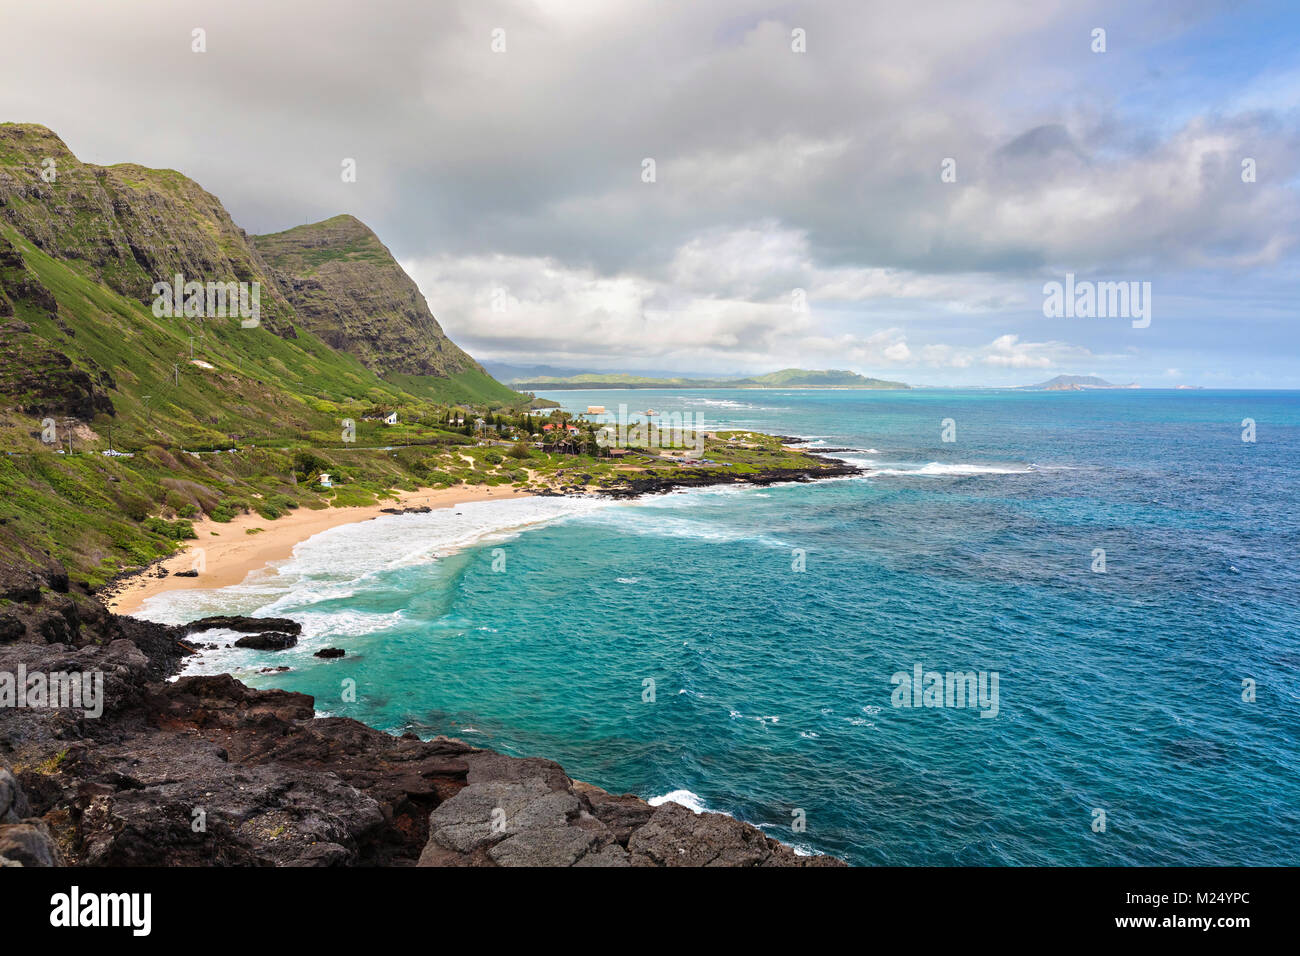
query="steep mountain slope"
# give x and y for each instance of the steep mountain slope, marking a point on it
(347, 288)
(121, 229)
(87, 368)
(125, 226)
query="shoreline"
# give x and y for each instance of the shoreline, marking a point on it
(197, 728)
(231, 554)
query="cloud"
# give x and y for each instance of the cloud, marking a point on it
(775, 170)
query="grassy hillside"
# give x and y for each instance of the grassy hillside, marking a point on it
(347, 288)
(82, 356)
(280, 402)
(204, 417)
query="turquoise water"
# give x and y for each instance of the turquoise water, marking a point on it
(1119, 691)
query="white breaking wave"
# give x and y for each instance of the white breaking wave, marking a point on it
(691, 801)
(857, 460)
(667, 524)
(940, 470)
(337, 563)
(723, 403)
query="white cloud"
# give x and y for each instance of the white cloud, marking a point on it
(777, 171)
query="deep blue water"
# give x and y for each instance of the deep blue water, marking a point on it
(1120, 691)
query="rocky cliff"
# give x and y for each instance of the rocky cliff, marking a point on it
(206, 771)
(126, 226)
(38, 379)
(348, 289)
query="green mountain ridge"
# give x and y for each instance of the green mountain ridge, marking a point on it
(346, 287)
(120, 428)
(785, 378)
(86, 367)
(125, 226)
(79, 256)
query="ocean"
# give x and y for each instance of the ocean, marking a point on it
(1119, 566)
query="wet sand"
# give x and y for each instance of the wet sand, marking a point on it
(230, 553)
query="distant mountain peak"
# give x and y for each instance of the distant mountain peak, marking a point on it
(785, 378)
(1074, 383)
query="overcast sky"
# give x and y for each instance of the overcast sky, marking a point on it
(511, 184)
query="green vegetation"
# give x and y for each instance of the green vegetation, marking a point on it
(119, 430)
(469, 387)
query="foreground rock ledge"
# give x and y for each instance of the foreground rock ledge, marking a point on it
(207, 771)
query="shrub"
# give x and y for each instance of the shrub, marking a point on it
(227, 508)
(135, 507)
(173, 530)
(309, 467)
(268, 511)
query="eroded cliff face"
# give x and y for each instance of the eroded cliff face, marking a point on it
(127, 226)
(37, 378)
(207, 771)
(349, 290)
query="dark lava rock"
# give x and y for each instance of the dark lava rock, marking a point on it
(245, 625)
(207, 771)
(29, 843)
(13, 804)
(270, 641)
(24, 840)
(677, 836)
(658, 485)
(330, 652)
(527, 812)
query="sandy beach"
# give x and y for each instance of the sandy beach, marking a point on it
(230, 553)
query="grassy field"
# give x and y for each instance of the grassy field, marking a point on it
(100, 515)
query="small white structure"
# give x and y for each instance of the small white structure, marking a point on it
(325, 480)
(391, 419)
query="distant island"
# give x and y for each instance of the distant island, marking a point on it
(786, 378)
(1073, 383)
